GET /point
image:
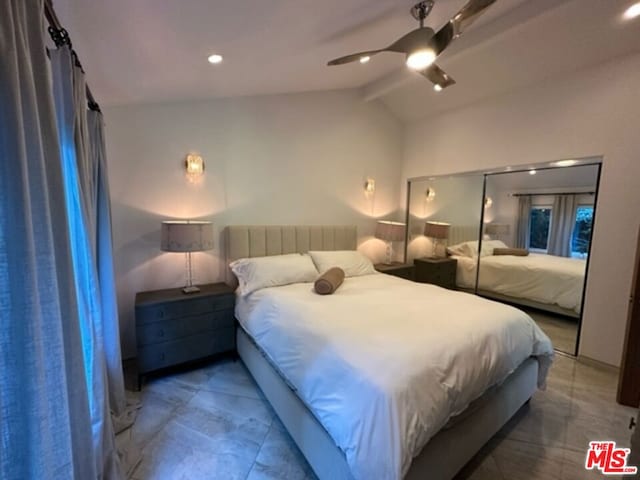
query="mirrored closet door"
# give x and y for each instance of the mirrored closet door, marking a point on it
(518, 235)
(443, 211)
(537, 236)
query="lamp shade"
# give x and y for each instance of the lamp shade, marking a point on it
(497, 229)
(186, 236)
(436, 230)
(390, 231)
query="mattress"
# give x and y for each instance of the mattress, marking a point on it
(384, 363)
(541, 278)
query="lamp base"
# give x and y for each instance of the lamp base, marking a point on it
(190, 289)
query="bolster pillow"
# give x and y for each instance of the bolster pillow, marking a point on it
(329, 281)
(518, 252)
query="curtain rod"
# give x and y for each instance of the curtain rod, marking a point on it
(61, 37)
(549, 194)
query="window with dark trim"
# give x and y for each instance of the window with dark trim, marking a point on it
(539, 228)
(582, 231)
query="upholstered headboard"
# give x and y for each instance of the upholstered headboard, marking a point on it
(462, 233)
(245, 241)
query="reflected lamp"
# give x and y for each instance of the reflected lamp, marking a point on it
(437, 232)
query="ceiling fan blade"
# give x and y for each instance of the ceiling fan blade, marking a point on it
(459, 23)
(354, 57)
(437, 76)
(414, 40)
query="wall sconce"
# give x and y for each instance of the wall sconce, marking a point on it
(194, 165)
(430, 194)
(488, 202)
(369, 187)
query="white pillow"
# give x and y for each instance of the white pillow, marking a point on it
(460, 249)
(261, 272)
(470, 249)
(352, 262)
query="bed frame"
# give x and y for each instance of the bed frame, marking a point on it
(523, 302)
(445, 454)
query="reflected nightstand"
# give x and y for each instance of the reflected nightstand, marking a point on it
(438, 271)
(397, 269)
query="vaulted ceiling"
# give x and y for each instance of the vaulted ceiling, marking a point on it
(156, 50)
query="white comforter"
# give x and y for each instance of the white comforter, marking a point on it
(384, 363)
(542, 278)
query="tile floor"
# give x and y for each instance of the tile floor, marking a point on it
(213, 423)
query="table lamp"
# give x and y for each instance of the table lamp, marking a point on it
(390, 232)
(187, 236)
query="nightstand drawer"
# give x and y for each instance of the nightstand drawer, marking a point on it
(162, 331)
(223, 302)
(444, 279)
(160, 355)
(177, 309)
(437, 271)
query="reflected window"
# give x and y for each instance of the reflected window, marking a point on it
(539, 228)
(582, 231)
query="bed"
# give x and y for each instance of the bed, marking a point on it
(541, 281)
(362, 387)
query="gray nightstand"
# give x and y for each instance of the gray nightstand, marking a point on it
(438, 271)
(397, 269)
(174, 328)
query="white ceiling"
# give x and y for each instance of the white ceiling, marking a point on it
(570, 179)
(156, 50)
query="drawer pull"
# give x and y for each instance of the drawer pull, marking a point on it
(161, 333)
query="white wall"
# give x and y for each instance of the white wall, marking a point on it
(286, 159)
(591, 112)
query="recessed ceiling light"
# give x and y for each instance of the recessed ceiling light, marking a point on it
(632, 12)
(365, 59)
(532, 172)
(421, 59)
(437, 88)
(564, 163)
(215, 58)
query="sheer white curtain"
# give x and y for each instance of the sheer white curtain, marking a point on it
(46, 422)
(563, 219)
(60, 364)
(104, 258)
(81, 198)
(524, 219)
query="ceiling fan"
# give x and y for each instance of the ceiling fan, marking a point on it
(422, 46)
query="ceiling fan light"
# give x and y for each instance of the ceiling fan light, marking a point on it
(437, 87)
(632, 12)
(365, 59)
(421, 59)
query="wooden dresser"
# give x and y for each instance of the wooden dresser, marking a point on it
(174, 328)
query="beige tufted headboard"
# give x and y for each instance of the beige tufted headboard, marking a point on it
(245, 241)
(463, 233)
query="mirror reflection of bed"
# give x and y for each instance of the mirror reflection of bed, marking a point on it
(534, 241)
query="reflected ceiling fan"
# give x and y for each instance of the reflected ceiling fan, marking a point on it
(422, 46)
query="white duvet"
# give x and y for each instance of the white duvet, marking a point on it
(384, 363)
(542, 278)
